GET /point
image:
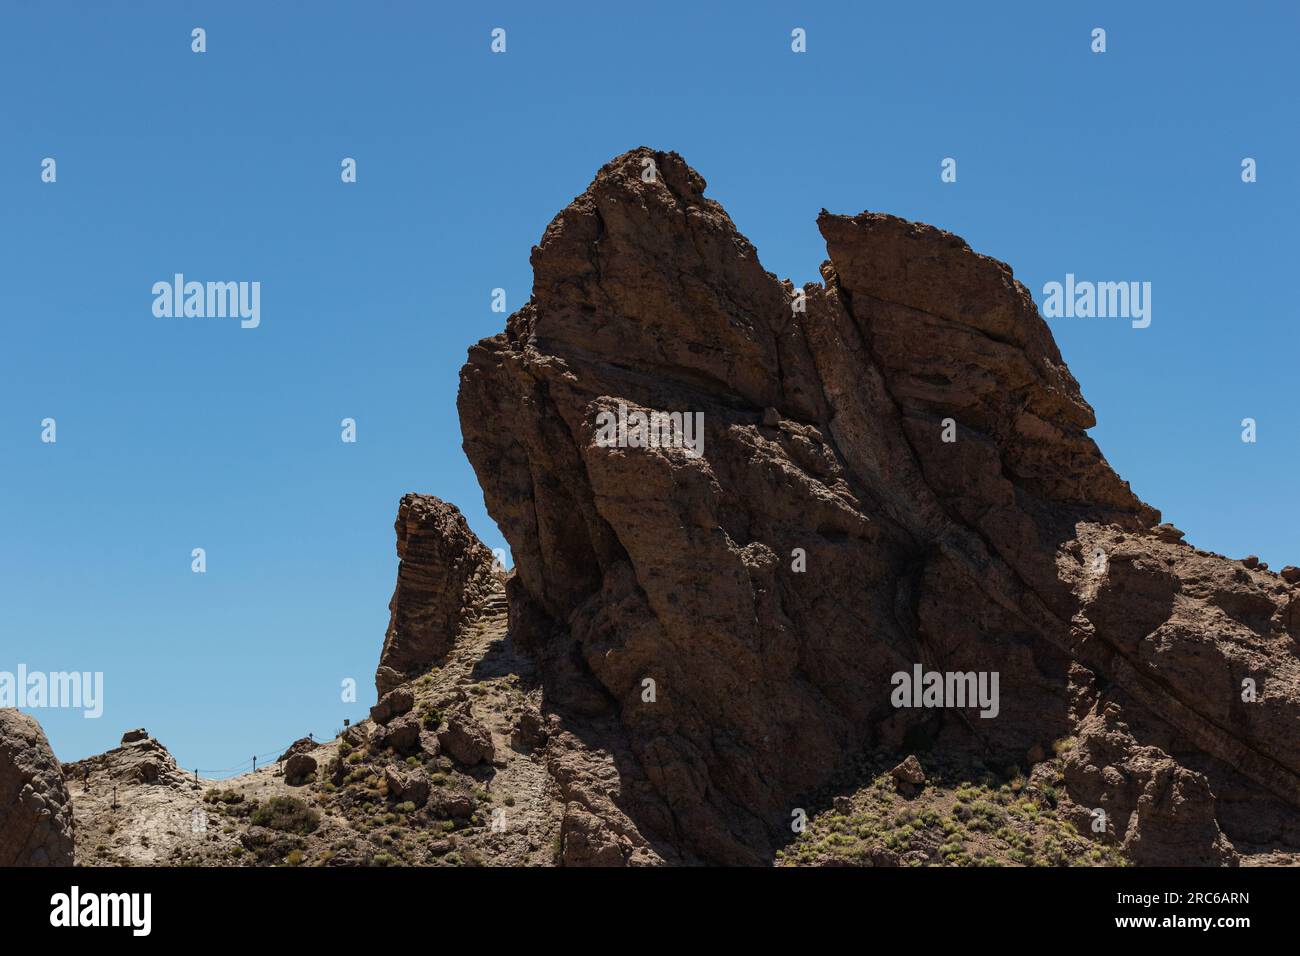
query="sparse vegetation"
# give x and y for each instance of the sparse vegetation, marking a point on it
(286, 814)
(430, 717)
(958, 819)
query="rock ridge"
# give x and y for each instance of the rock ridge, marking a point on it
(897, 470)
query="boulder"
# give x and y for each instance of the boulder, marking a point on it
(393, 704)
(298, 768)
(908, 776)
(300, 746)
(402, 735)
(36, 826)
(585, 840)
(909, 771)
(464, 738)
(452, 804)
(410, 786)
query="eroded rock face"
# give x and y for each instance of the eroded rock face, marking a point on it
(444, 574)
(465, 739)
(895, 470)
(35, 811)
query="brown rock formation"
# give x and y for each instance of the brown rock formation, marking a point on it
(35, 811)
(139, 759)
(298, 768)
(895, 471)
(300, 746)
(445, 572)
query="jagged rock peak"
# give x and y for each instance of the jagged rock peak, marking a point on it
(444, 573)
(894, 470)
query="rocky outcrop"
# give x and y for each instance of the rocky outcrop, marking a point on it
(393, 704)
(299, 768)
(402, 735)
(465, 739)
(300, 746)
(140, 759)
(35, 811)
(412, 786)
(893, 470)
(444, 574)
(908, 776)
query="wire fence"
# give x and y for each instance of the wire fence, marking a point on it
(263, 759)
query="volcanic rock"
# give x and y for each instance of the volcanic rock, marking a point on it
(140, 759)
(586, 840)
(451, 804)
(908, 775)
(444, 573)
(894, 470)
(465, 739)
(393, 704)
(36, 826)
(298, 768)
(413, 786)
(300, 746)
(1167, 532)
(402, 734)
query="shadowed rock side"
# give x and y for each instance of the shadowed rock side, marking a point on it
(829, 537)
(444, 573)
(35, 812)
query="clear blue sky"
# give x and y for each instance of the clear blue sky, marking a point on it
(183, 433)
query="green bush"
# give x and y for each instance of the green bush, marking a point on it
(432, 718)
(286, 814)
